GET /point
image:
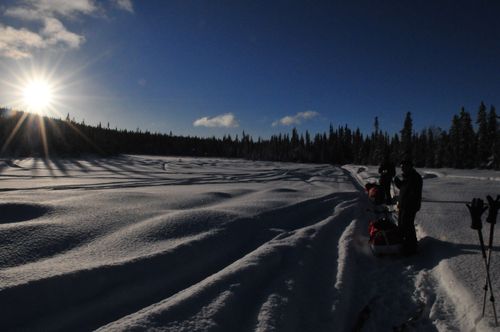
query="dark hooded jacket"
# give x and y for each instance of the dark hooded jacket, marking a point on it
(410, 191)
(387, 171)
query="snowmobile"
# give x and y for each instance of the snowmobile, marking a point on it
(385, 237)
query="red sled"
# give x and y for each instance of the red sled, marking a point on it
(385, 238)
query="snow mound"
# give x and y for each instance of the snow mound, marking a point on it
(197, 244)
(168, 243)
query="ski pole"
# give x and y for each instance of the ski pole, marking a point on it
(494, 206)
(476, 209)
(488, 279)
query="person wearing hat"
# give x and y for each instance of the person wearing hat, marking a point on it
(410, 199)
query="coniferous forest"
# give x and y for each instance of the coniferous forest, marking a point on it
(468, 143)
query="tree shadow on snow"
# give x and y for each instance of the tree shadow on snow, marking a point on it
(57, 165)
(7, 163)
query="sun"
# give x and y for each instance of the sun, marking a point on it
(43, 87)
(38, 95)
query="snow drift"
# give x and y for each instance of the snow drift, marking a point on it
(199, 244)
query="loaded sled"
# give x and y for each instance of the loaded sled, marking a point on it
(385, 237)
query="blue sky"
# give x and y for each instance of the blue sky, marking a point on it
(214, 67)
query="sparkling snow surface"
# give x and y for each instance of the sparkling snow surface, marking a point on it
(194, 244)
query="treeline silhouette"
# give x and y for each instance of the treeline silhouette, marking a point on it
(463, 146)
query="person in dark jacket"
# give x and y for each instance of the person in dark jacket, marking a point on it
(410, 199)
(387, 171)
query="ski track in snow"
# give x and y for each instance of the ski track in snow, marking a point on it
(200, 244)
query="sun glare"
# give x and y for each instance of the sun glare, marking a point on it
(38, 96)
(39, 93)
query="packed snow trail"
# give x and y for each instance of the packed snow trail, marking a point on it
(200, 244)
(446, 277)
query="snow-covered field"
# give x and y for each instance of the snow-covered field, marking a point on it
(185, 244)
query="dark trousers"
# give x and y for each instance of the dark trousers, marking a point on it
(386, 185)
(406, 224)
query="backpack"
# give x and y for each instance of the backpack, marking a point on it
(375, 193)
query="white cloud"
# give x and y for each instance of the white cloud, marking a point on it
(295, 119)
(23, 13)
(125, 5)
(21, 43)
(18, 43)
(224, 120)
(40, 9)
(55, 33)
(65, 7)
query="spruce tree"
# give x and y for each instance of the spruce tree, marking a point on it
(430, 152)
(493, 134)
(420, 148)
(453, 150)
(395, 147)
(377, 150)
(467, 145)
(442, 151)
(357, 144)
(406, 136)
(483, 139)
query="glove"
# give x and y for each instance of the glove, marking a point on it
(493, 210)
(476, 210)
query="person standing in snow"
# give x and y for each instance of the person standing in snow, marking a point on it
(410, 199)
(387, 171)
